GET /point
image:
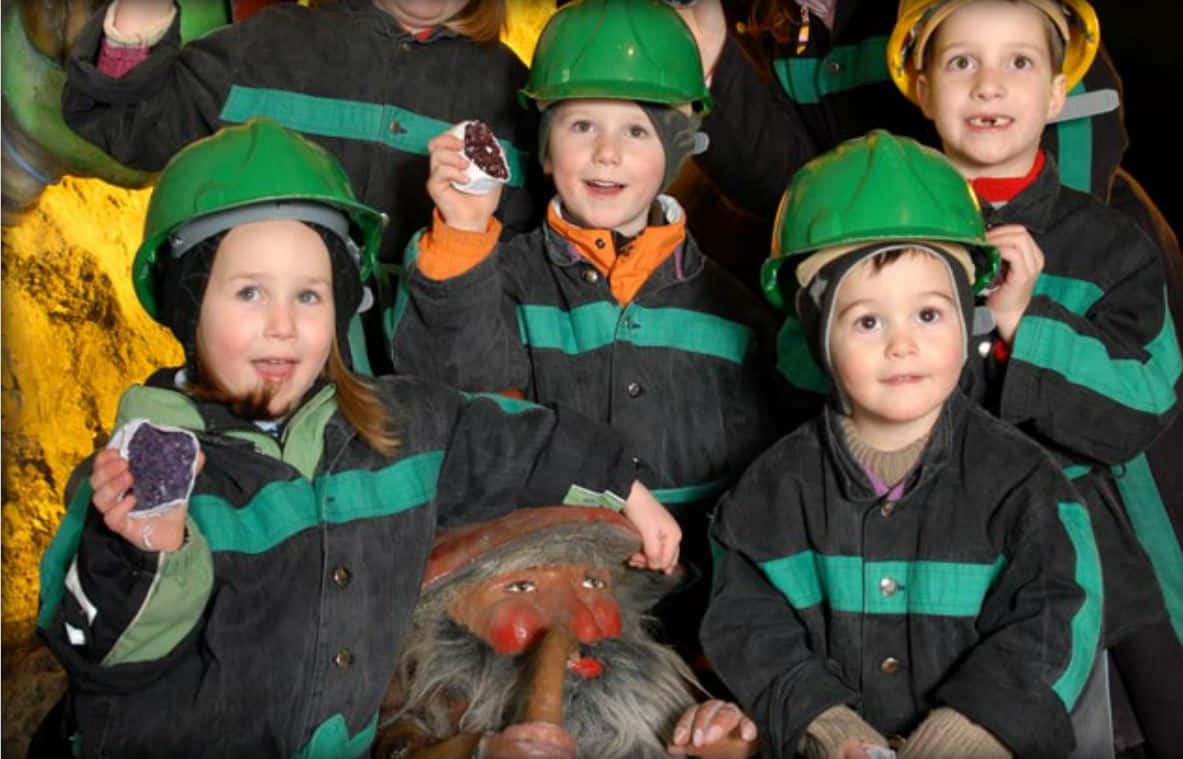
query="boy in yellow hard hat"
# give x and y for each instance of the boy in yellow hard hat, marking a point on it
(1085, 358)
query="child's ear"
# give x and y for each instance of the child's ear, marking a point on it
(1059, 95)
(547, 166)
(924, 95)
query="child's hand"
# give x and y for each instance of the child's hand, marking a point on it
(110, 483)
(137, 16)
(660, 533)
(459, 209)
(716, 730)
(1022, 261)
(709, 27)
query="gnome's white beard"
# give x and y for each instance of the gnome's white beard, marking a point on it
(628, 711)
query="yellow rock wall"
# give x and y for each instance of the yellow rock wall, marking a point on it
(73, 337)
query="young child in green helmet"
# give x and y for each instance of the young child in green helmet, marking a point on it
(1085, 358)
(904, 569)
(610, 307)
(262, 614)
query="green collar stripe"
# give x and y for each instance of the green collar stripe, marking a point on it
(808, 80)
(1076, 471)
(795, 362)
(1086, 623)
(283, 509)
(1075, 153)
(331, 740)
(597, 325)
(850, 584)
(1153, 527)
(1143, 386)
(691, 493)
(55, 562)
(389, 125)
(1076, 295)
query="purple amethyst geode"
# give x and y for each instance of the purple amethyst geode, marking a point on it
(161, 462)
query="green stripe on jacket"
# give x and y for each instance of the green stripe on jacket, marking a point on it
(596, 325)
(386, 124)
(1086, 623)
(851, 584)
(808, 80)
(282, 509)
(1083, 360)
(1152, 525)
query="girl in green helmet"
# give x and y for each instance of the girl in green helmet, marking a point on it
(261, 615)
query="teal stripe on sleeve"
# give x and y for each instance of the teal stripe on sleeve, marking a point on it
(808, 80)
(1083, 360)
(504, 402)
(691, 493)
(386, 124)
(848, 584)
(1076, 295)
(597, 325)
(280, 510)
(1086, 623)
(1152, 525)
(1075, 154)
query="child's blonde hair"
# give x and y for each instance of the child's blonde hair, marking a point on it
(480, 20)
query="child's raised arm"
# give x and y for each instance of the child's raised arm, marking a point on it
(459, 210)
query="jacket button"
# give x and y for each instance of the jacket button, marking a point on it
(600, 242)
(888, 586)
(341, 577)
(890, 665)
(343, 659)
(835, 67)
(634, 389)
(591, 276)
(887, 510)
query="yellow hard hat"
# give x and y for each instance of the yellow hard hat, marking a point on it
(1074, 19)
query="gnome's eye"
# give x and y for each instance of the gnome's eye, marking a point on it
(595, 583)
(520, 586)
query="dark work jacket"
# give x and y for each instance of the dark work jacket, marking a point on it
(274, 631)
(1094, 375)
(345, 74)
(979, 589)
(684, 371)
(769, 120)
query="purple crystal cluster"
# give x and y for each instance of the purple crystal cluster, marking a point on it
(161, 462)
(482, 149)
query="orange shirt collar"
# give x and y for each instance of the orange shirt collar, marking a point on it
(628, 272)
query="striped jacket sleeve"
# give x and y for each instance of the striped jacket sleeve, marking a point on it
(1040, 623)
(1097, 371)
(114, 615)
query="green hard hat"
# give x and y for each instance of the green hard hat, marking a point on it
(252, 164)
(620, 49)
(876, 188)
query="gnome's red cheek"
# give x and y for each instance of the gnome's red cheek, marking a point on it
(513, 628)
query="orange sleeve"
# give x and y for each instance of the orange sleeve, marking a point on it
(445, 252)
